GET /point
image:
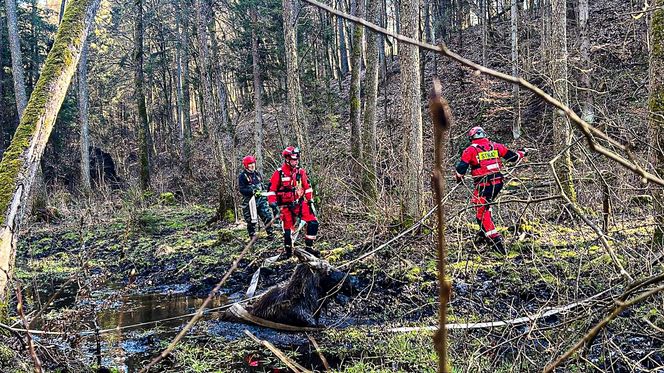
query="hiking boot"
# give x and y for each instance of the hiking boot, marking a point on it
(498, 246)
(286, 254)
(480, 238)
(312, 251)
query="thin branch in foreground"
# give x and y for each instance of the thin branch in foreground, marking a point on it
(199, 313)
(589, 131)
(620, 305)
(31, 347)
(290, 363)
(441, 116)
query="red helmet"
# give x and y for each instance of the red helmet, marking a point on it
(477, 133)
(291, 152)
(246, 161)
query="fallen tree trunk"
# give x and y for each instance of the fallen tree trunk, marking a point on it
(20, 162)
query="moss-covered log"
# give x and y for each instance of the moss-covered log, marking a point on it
(20, 161)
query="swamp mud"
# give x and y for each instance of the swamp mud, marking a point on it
(162, 267)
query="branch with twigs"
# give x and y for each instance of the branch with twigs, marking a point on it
(590, 132)
(600, 234)
(620, 305)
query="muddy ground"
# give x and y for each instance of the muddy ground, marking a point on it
(159, 262)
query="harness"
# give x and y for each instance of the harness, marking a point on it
(486, 171)
(288, 190)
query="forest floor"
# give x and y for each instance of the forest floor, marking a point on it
(159, 262)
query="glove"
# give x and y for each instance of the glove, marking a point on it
(275, 209)
(257, 192)
(524, 151)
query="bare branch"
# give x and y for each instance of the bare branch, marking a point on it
(588, 130)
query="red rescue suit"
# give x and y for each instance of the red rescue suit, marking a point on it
(484, 159)
(290, 189)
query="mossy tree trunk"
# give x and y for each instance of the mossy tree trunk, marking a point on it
(656, 106)
(19, 163)
(562, 128)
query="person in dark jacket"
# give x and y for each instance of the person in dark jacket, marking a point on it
(483, 157)
(254, 200)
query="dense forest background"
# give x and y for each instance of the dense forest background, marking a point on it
(137, 185)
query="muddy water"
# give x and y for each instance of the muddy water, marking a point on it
(146, 320)
(129, 349)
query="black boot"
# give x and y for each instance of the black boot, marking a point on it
(288, 252)
(312, 251)
(480, 238)
(498, 246)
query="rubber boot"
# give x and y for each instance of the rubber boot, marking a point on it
(288, 252)
(312, 251)
(498, 246)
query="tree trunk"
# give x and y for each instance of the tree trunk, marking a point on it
(516, 123)
(83, 113)
(217, 123)
(183, 86)
(413, 157)
(587, 111)
(294, 94)
(144, 144)
(343, 51)
(17, 60)
(370, 150)
(19, 163)
(656, 106)
(258, 94)
(562, 129)
(355, 100)
(483, 19)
